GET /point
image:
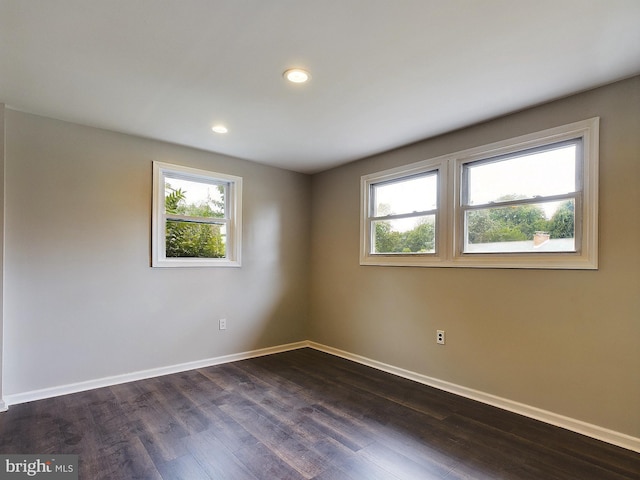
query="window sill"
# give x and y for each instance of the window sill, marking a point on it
(557, 261)
(195, 262)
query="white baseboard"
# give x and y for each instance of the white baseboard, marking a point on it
(143, 374)
(578, 426)
(590, 430)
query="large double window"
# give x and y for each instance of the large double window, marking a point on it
(196, 217)
(528, 202)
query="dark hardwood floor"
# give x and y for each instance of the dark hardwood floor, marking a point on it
(300, 414)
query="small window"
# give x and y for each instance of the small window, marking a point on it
(196, 217)
(404, 215)
(526, 202)
(402, 220)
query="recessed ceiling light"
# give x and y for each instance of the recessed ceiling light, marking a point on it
(297, 75)
(219, 129)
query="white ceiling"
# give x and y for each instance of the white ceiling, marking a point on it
(385, 72)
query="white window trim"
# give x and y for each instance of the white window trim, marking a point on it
(234, 221)
(424, 259)
(449, 232)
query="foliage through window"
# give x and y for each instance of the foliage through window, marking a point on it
(527, 202)
(196, 217)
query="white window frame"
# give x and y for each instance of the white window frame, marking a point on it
(232, 219)
(368, 182)
(450, 219)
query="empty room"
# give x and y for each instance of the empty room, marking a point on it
(329, 240)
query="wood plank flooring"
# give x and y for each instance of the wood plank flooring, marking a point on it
(300, 415)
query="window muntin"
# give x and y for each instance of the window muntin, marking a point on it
(523, 202)
(197, 217)
(569, 200)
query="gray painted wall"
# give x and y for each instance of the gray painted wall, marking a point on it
(563, 341)
(81, 301)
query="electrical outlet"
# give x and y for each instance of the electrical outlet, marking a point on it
(440, 337)
(223, 324)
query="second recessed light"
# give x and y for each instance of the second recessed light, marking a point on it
(297, 75)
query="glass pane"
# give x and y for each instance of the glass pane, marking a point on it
(197, 199)
(406, 235)
(550, 172)
(543, 227)
(195, 240)
(409, 195)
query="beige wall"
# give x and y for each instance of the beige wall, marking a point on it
(82, 303)
(564, 341)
